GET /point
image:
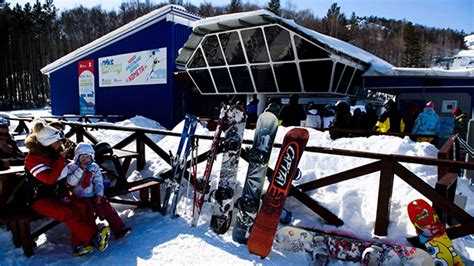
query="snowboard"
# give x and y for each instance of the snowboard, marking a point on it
(324, 246)
(178, 165)
(431, 232)
(199, 197)
(247, 205)
(263, 231)
(223, 196)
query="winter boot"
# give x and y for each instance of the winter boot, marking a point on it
(101, 240)
(81, 250)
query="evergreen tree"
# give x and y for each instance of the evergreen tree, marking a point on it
(235, 6)
(274, 7)
(413, 55)
(334, 23)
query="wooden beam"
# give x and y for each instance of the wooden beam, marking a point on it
(315, 206)
(342, 176)
(452, 209)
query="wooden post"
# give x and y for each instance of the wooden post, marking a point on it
(141, 160)
(384, 198)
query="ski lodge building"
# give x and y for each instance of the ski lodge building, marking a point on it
(170, 62)
(129, 71)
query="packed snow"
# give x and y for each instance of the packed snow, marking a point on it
(158, 240)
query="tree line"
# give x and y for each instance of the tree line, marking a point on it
(36, 35)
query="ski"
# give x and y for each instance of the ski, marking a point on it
(223, 196)
(432, 233)
(199, 202)
(263, 231)
(246, 207)
(178, 165)
(176, 196)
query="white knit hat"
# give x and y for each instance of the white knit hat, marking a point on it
(45, 134)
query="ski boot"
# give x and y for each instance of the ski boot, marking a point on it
(319, 252)
(372, 256)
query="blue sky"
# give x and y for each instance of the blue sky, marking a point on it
(454, 14)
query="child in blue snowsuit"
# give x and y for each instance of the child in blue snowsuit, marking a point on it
(85, 178)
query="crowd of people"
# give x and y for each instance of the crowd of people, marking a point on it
(339, 116)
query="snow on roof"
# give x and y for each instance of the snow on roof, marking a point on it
(466, 53)
(377, 63)
(422, 72)
(181, 17)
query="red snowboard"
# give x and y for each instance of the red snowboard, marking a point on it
(261, 237)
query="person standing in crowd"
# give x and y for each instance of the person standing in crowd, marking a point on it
(427, 122)
(391, 120)
(274, 106)
(356, 121)
(45, 160)
(461, 121)
(313, 119)
(412, 114)
(343, 115)
(369, 117)
(252, 111)
(293, 113)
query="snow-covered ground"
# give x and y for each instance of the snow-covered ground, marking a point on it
(158, 240)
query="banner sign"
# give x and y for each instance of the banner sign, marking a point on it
(138, 68)
(86, 87)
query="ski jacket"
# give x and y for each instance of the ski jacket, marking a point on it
(45, 166)
(427, 123)
(390, 121)
(313, 119)
(291, 115)
(85, 183)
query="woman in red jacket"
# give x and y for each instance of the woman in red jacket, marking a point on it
(44, 162)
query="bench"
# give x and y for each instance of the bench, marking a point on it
(18, 221)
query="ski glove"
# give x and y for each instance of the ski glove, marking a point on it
(75, 177)
(86, 179)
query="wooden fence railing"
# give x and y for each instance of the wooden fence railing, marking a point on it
(389, 165)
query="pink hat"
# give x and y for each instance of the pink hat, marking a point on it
(457, 111)
(430, 104)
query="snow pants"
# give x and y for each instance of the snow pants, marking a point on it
(106, 211)
(73, 214)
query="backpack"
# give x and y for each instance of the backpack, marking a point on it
(23, 193)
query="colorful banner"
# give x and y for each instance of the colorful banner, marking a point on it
(139, 68)
(86, 87)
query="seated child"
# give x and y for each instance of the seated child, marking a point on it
(85, 178)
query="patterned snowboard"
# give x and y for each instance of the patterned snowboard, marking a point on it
(432, 233)
(263, 231)
(247, 205)
(221, 218)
